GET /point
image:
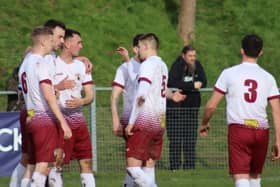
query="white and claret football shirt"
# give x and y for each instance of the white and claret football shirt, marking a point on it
(35, 69)
(125, 78)
(74, 71)
(152, 85)
(247, 88)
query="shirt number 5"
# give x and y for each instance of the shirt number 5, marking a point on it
(251, 95)
(163, 85)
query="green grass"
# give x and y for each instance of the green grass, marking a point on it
(165, 178)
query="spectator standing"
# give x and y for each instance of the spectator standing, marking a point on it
(186, 74)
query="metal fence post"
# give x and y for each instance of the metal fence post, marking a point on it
(93, 131)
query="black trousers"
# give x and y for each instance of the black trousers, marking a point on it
(182, 124)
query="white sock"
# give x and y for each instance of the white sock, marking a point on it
(140, 177)
(151, 173)
(25, 182)
(17, 175)
(128, 181)
(255, 182)
(55, 178)
(38, 179)
(87, 180)
(242, 183)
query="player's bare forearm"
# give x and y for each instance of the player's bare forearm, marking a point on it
(210, 107)
(115, 116)
(275, 110)
(48, 94)
(114, 100)
(65, 84)
(89, 94)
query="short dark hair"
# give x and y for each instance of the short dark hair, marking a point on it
(187, 48)
(69, 33)
(52, 23)
(252, 45)
(41, 31)
(151, 37)
(37, 32)
(136, 39)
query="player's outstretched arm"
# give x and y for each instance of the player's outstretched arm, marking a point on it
(275, 110)
(209, 110)
(116, 126)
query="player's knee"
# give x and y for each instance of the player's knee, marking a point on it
(86, 166)
(140, 177)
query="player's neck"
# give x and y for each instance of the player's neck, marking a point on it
(151, 53)
(39, 51)
(66, 57)
(249, 59)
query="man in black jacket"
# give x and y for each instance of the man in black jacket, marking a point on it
(186, 74)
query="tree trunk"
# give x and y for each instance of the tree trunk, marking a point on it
(187, 21)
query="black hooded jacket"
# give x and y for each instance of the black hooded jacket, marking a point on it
(179, 77)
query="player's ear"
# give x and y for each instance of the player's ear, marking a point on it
(261, 53)
(242, 51)
(66, 44)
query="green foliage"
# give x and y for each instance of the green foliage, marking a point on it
(104, 25)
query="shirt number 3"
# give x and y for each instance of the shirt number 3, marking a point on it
(251, 95)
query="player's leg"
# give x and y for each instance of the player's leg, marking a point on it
(255, 180)
(149, 169)
(82, 151)
(239, 141)
(154, 151)
(45, 140)
(26, 179)
(40, 174)
(86, 173)
(18, 172)
(129, 181)
(259, 156)
(135, 155)
(136, 172)
(55, 178)
(241, 180)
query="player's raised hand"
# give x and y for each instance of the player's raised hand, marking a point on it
(124, 53)
(128, 130)
(275, 152)
(203, 130)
